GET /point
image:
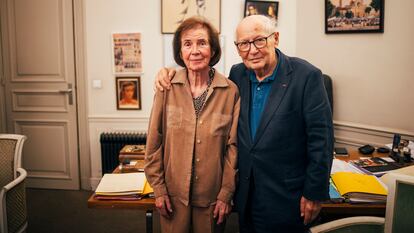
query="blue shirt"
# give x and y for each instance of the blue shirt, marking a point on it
(259, 93)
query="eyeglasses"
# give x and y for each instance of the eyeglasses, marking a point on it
(259, 43)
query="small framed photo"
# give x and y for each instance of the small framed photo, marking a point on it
(174, 12)
(128, 93)
(266, 8)
(354, 16)
(126, 49)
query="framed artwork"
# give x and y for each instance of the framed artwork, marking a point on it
(128, 93)
(267, 8)
(174, 12)
(126, 49)
(354, 16)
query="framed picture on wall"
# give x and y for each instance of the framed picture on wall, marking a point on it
(267, 8)
(126, 49)
(174, 12)
(354, 16)
(128, 93)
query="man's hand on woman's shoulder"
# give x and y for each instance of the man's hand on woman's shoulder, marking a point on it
(163, 79)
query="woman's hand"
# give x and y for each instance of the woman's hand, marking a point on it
(163, 205)
(221, 210)
(163, 79)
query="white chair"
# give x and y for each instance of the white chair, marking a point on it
(398, 217)
(13, 214)
(400, 204)
(364, 224)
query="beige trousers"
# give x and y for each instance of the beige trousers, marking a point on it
(184, 218)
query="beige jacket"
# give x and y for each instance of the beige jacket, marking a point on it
(212, 140)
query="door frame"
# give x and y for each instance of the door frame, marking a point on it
(2, 93)
(82, 94)
(79, 12)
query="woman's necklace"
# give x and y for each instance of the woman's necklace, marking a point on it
(200, 100)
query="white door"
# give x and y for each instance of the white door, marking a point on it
(39, 73)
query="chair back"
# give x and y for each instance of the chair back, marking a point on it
(327, 81)
(11, 146)
(400, 204)
(13, 214)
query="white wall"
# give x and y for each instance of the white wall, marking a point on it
(372, 73)
(106, 16)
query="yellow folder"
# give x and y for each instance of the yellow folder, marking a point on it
(348, 183)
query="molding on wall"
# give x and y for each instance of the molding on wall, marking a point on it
(3, 19)
(373, 128)
(81, 93)
(94, 183)
(356, 135)
(117, 119)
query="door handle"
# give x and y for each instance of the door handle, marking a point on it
(68, 91)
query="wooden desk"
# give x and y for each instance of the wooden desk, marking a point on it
(329, 211)
(146, 204)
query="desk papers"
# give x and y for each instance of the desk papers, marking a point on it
(359, 187)
(343, 166)
(334, 195)
(121, 184)
(375, 165)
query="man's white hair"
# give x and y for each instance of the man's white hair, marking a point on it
(269, 24)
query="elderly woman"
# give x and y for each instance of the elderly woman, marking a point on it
(191, 145)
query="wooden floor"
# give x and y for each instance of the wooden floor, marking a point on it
(61, 211)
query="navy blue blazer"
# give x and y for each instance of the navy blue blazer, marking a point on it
(292, 154)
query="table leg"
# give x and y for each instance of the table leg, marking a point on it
(148, 219)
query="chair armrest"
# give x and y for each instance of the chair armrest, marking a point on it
(347, 222)
(13, 204)
(18, 180)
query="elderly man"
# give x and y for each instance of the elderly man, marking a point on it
(285, 133)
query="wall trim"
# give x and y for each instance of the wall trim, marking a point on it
(378, 129)
(94, 183)
(2, 92)
(116, 118)
(81, 93)
(356, 135)
(3, 68)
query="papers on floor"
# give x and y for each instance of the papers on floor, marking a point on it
(359, 187)
(123, 186)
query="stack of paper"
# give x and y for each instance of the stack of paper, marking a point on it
(343, 166)
(124, 186)
(360, 187)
